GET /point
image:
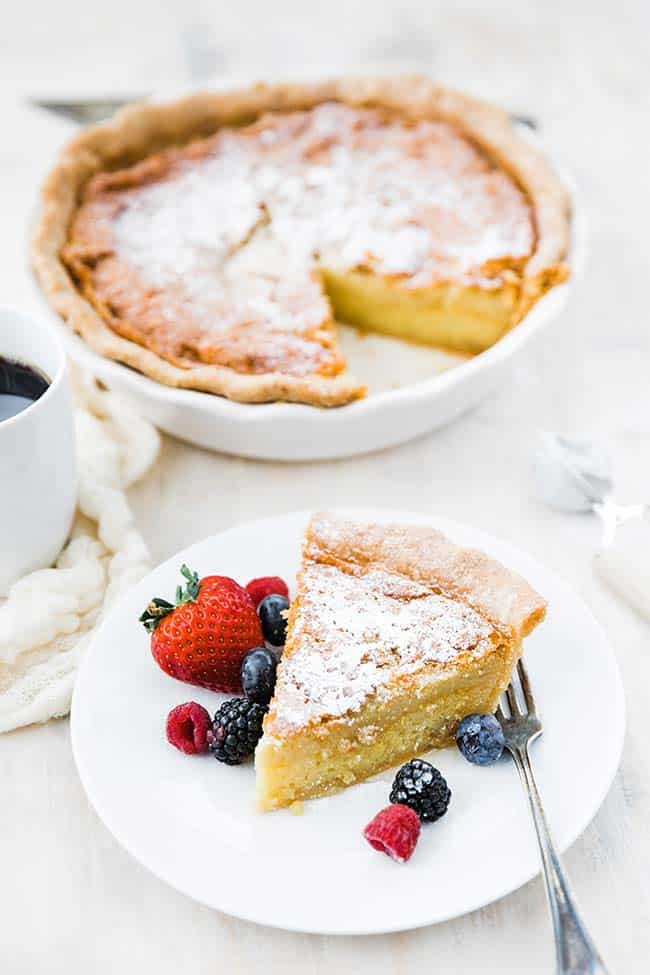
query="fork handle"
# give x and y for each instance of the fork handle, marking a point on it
(575, 952)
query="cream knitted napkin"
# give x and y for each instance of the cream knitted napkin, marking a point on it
(49, 615)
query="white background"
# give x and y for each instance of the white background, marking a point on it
(70, 900)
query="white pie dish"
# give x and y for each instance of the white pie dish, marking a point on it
(191, 821)
(408, 394)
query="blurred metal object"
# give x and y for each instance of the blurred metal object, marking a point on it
(528, 120)
(90, 111)
(85, 111)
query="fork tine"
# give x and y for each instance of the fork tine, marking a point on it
(525, 686)
(512, 700)
(499, 715)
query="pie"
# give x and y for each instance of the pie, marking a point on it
(213, 243)
(394, 636)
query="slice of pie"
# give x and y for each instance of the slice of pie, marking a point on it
(395, 635)
(213, 243)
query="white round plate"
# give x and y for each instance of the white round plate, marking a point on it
(191, 820)
(412, 389)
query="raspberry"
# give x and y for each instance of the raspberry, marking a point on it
(395, 831)
(187, 728)
(266, 586)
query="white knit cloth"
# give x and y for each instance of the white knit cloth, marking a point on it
(49, 615)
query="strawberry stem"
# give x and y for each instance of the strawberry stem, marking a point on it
(158, 608)
(191, 590)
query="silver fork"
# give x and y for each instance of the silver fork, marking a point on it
(575, 952)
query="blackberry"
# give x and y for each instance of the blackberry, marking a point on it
(421, 787)
(236, 730)
(480, 739)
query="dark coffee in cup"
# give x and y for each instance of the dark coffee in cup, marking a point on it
(20, 386)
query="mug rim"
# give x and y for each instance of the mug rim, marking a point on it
(60, 371)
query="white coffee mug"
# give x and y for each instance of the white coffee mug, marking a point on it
(38, 484)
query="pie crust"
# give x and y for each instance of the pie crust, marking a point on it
(145, 136)
(395, 634)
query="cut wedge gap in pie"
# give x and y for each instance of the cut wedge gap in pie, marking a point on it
(395, 634)
(213, 243)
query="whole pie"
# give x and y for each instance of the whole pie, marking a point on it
(213, 243)
(394, 636)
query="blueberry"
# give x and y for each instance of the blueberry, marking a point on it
(274, 624)
(258, 675)
(480, 739)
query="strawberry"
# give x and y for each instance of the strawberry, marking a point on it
(203, 637)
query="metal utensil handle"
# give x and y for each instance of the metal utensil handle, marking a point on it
(575, 952)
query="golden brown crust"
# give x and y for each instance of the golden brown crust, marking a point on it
(428, 557)
(145, 128)
(384, 609)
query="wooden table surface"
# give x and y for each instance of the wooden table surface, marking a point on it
(71, 900)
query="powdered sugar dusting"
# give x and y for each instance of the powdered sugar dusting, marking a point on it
(336, 187)
(354, 634)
